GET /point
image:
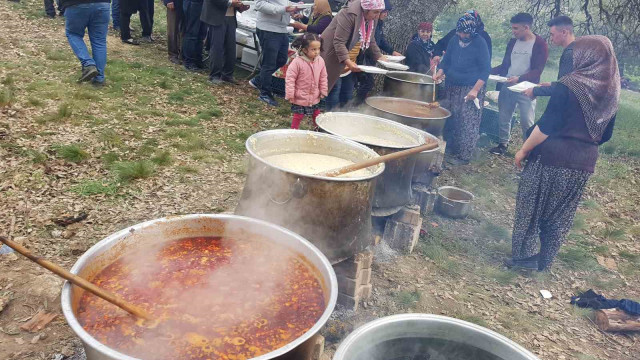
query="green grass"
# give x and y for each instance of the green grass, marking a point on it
(72, 153)
(495, 231)
(186, 169)
(162, 158)
(578, 258)
(7, 96)
(65, 111)
(95, 187)
(132, 170)
(629, 256)
(407, 299)
(502, 277)
(110, 138)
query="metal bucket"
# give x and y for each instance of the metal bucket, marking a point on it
(393, 187)
(409, 85)
(418, 336)
(453, 202)
(413, 113)
(176, 227)
(333, 213)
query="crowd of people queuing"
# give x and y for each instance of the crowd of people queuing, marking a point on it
(560, 149)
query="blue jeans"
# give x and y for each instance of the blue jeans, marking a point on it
(341, 93)
(115, 13)
(194, 33)
(275, 52)
(95, 18)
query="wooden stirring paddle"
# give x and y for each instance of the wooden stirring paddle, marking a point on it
(378, 160)
(77, 280)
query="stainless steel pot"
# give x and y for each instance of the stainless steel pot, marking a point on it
(425, 161)
(333, 213)
(379, 340)
(393, 187)
(409, 112)
(176, 227)
(409, 85)
(453, 202)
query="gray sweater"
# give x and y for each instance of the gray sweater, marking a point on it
(272, 15)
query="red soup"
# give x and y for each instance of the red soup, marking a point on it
(212, 297)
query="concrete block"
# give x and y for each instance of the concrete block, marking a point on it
(350, 286)
(366, 258)
(425, 198)
(349, 302)
(365, 277)
(409, 214)
(365, 292)
(400, 236)
(349, 268)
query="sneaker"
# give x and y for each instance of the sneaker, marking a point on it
(88, 73)
(131, 41)
(147, 39)
(268, 99)
(454, 161)
(253, 84)
(215, 81)
(499, 150)
(230, 80)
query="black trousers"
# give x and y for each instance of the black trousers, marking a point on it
(223, 48)
(49, 9)
(146, 20)
(174, 31)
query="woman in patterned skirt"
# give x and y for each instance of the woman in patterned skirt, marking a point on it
(561, 152)
(466, 66)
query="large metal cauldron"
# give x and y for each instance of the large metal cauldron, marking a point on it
(172, 228)
(414, 113)
(422, 336)
(393, 187)
(425, 160)
(333, 213)
(409, 85)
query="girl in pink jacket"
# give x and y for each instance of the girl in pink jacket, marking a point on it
(306, 81)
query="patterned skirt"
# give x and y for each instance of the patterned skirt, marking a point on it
(462, 130)
(547, 200)
(304, 110)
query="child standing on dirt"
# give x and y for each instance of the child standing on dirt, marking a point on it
(306, 81)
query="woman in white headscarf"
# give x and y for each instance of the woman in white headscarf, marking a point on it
(562, 151)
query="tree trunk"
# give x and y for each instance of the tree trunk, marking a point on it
(616, 320)
(406, 15)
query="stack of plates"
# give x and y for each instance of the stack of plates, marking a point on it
(372, 69)
(393, 65)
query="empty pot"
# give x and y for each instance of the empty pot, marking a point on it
(453, 202)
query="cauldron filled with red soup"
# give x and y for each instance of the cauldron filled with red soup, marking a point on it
(216, 286)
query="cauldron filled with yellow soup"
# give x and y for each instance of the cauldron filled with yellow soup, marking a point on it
(217, 287)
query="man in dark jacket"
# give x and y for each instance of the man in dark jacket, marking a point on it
(524, 60)
(561, 33)
(220, 15)
(91, 16)
(174, 29)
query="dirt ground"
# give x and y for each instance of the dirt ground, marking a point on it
(159, 141)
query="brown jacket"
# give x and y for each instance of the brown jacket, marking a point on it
(341, 36)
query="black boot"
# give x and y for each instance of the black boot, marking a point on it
(88, 73)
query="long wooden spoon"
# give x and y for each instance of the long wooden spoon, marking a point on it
(77, 280)
(378, 160)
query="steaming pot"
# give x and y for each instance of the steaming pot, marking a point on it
(334, 213)
(409, 112)
(393, 187)
(409, 85)
(176, 227)
(379, 340)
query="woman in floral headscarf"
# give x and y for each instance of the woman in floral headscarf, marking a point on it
(466, 65)
(420, 49)
(320, 18)
(562, 151)
(441, 45)
(354, 26)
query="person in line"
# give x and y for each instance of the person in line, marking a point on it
(524, 60)
(93, 16)
(220, 15)
(365, 81)
(354, 26)
(194, 34)
(441, 45)
(420, 50)
(115, 15)
(561, 33)
(306, 81)
(341, 95)
(271, 27)
(50, 9)
(561, 152)
(466, 67)
(174, 29)
(127, 9)
(320, 18)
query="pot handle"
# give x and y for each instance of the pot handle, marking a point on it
(296, 190)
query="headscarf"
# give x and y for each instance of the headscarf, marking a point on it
(367, 27)
(595, 80)
(426, 26)
(467, 24)
(427, 45)
(387, 5)
(476, 16)
(321, 7)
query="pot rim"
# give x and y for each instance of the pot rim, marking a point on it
(391, 123)
(391, 73)
(348, 342)
(444, 118)
(351, 143)
(457, 189)
(84, 260)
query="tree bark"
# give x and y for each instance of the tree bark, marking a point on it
(406, 15)
(616, 320)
